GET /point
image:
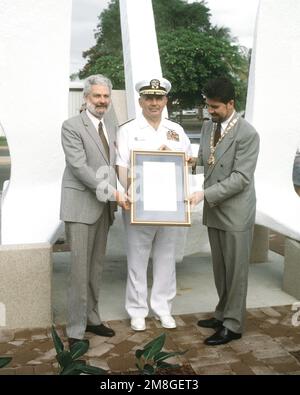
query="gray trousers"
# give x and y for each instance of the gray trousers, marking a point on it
(230, 256)
(87, 244)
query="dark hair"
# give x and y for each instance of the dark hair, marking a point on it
(220, 89)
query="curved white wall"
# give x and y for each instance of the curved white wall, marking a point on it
(273, 107)
(34, 70)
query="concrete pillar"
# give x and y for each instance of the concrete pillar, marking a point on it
(25, 292)
(291, 275)
(260, 245)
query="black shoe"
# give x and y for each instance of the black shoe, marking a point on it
(222, 336)
(72, 341)
(100, 330)
(210, 323)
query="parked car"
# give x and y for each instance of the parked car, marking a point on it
(192, 111)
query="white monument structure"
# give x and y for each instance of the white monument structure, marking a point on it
(273, 107)
(140, 50)
(141, 61)
(34, 68)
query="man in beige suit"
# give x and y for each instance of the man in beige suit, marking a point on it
(228, 151)
(88, 203)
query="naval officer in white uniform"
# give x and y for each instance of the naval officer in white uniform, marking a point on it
(150, 131)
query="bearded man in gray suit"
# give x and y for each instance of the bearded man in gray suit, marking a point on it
(228, 151)
(88, 201)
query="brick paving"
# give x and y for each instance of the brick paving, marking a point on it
(269, 346)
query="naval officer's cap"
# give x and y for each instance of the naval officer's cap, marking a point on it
(154, 86)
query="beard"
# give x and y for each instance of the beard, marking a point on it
(93, 110)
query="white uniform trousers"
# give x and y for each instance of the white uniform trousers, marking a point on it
(140, 241)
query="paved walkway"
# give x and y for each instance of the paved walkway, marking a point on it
(270, 346)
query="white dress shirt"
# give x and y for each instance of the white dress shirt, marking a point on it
(226, 123)
(96, 122)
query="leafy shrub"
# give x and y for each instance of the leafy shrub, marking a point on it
(68, 360)
(4, 361)
(151, 357)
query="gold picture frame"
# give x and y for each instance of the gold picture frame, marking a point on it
(159, 188)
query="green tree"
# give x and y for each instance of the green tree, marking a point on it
(190, 58)
(191, 50)
(106, 56)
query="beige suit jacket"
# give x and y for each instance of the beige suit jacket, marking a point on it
(88, 169)
(230, 200)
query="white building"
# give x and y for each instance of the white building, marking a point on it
(75, 97)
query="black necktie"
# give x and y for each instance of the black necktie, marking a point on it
(217, 133)
(103, 139)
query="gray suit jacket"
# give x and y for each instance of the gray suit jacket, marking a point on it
(87, 168)
(230, 200)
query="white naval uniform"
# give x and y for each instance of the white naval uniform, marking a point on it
(138, 134)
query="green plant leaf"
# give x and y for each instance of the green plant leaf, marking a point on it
(165, 365)
(74, 372)
(139, 353)
(80, 362)
(79, 348)
(64, 358)
(92, 370)
(165, 355)
(58, 344)
(154, 347)
(4, 361)
(161, 356)
(150, 344)
(73, 368)
(148, 369)
(70, 371)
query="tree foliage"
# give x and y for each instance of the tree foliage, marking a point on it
(191, 50)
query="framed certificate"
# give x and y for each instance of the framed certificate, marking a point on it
(159, 188)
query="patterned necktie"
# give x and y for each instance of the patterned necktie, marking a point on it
(217, 134)
(103, 138)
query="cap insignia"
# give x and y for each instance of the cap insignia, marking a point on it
(155, 84)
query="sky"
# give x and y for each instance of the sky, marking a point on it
(238, 15)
